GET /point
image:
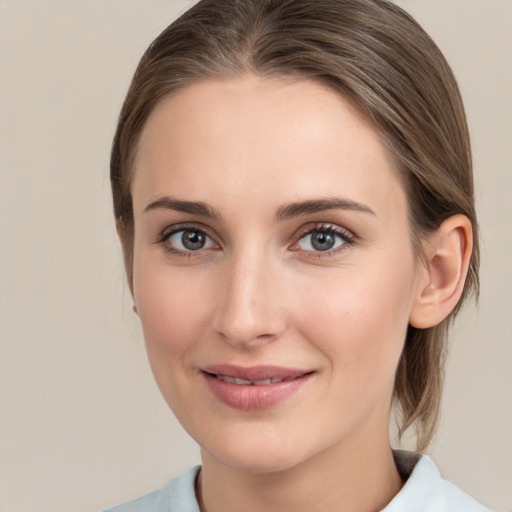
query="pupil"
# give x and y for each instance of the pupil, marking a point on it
(193, 240)
(323, 241)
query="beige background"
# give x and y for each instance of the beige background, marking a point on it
(82, 423)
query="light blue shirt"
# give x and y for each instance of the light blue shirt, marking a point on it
(424, 491)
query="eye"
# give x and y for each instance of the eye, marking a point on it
(323, 239)
(188, 240)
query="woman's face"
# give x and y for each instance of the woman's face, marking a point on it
(272, 247)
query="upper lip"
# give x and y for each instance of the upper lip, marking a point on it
(255, 373)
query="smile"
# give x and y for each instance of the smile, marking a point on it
(245, 382)
(254, 388)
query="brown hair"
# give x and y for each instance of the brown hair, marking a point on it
(368, 50)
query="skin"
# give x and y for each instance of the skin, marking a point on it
(259, 292)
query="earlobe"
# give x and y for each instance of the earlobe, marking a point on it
(119, 230)
(120, 234)
(447, 253)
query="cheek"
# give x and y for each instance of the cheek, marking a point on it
(360, 320)
(173, 310)
(174, 314)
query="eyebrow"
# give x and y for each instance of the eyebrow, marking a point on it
(319, 205)
(285, 212)
(193, 207)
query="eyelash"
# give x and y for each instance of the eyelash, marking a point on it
(347, 238)
(165, 235)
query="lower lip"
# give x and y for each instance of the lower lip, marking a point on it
(253, 397)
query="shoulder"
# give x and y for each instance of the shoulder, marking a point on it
(177, 496)
(426, 491)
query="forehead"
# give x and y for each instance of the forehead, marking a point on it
(250, 136)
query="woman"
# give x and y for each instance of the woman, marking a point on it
(293, 192)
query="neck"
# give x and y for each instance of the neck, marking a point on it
(352, 476)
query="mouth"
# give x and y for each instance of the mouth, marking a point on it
(245, 382)
(252, 388)
(254, 375)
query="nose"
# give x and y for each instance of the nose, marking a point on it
(250, 310)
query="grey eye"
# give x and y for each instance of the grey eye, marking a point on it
(190, 240)
(320, 240)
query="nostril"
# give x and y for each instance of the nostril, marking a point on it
(265, 336)
(248, 335)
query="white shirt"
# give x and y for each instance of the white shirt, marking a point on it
(424, 491)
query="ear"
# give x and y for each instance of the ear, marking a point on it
(120, 235)
(447, 253)
(119, 229)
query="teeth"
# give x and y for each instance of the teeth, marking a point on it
(261, 382)
(245, 382)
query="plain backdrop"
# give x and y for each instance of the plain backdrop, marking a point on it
(82, 423)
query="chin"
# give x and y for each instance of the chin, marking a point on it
(264, 453)
(258, 461)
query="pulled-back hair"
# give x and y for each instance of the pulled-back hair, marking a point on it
(371, 52)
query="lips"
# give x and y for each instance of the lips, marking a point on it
(255, 373)
(245, 382)
(253, 388)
